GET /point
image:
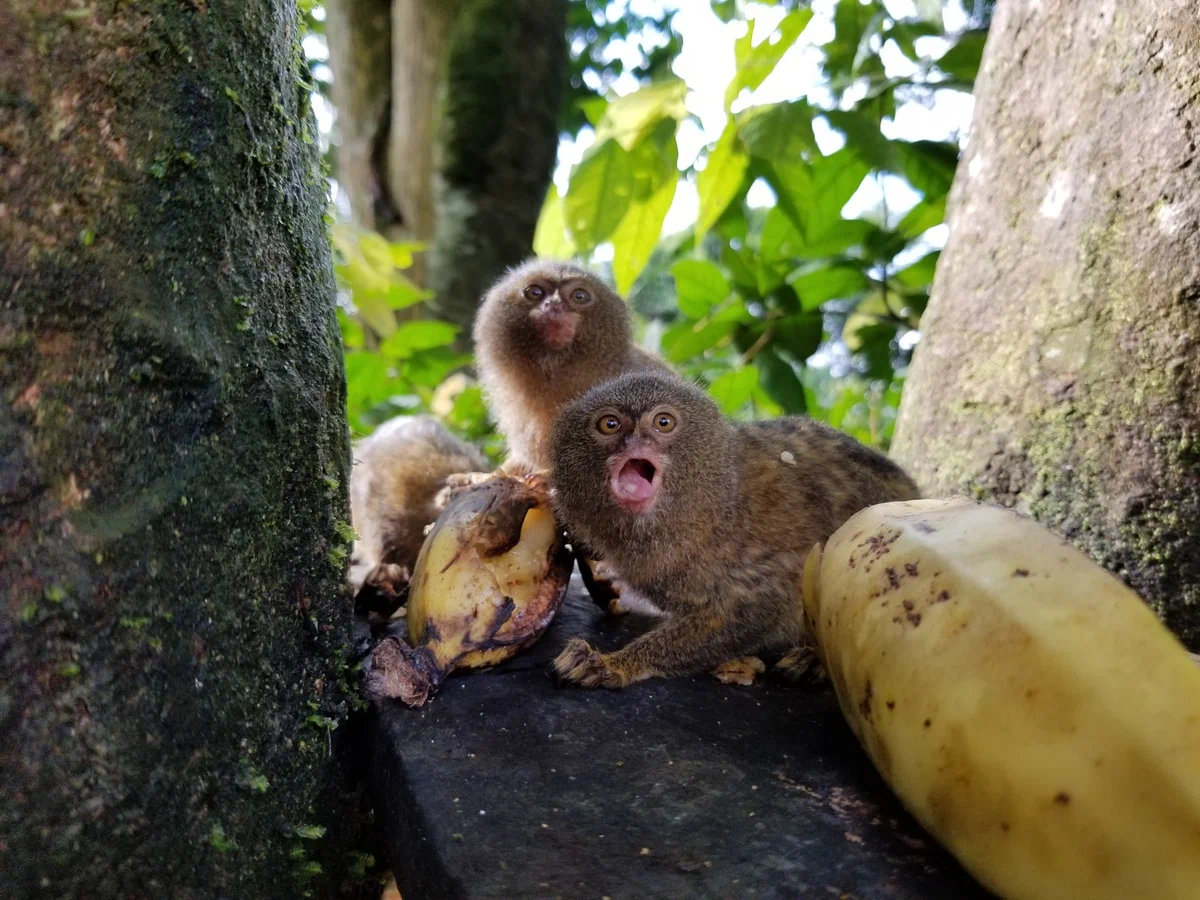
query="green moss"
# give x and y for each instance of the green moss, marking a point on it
(196, 450)
(219, 840)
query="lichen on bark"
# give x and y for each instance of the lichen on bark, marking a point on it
(1059, 367)
(174, 627)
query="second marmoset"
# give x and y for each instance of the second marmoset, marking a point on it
(708, 518)
(398, 472)
(545, 333)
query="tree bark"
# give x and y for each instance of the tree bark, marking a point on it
(360, 54)
(471, 130)
(496, 143)
(1059, 368)
(174, 626)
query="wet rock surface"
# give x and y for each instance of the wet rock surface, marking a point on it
(507, 786)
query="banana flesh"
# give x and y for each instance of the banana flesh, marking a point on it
(490, 576)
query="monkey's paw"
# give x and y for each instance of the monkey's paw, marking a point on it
(456, 484)
(739, 671)
(800, 663)
(585, 666)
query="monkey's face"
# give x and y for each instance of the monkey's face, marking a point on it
(555, 306)
(637, 444)
(634, 454)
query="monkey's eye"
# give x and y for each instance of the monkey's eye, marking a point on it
(580, 297)
(535, 292)
(664, 423)
(608, 424)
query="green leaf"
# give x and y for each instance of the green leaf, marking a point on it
(599, 194)
(551, 240)
(781, 381)
(850, 21)
(656, 177)
(905, 34)
(593, 109)
(353, 335)
(402, 253)
(781, 131)
(310, 832)
(835, 178)
(691, 339)
(429, 368)
(837, 237)
(922, 217)
(755, 63)
(629, 119)
(928, 165)
(793, 187)
(721, 179)
(635, 238)
(733, 389)
(864, 138)
(699, 286)
(919, 274)
(402, 293)
(821, 283)
(799, 334)
(962, 60)
(367, 379)
(415, 336)
(780, 239)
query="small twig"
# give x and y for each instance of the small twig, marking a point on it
(758, 345)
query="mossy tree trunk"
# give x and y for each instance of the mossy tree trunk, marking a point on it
(174, 627)
(465, 154)
(1059, 368)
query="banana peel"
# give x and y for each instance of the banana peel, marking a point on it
(1024, 704)
(489, 578)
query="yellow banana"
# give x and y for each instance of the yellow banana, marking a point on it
(490, 576)
(1023, 703)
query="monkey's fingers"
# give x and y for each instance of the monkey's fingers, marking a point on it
(601, 586)
(800, 663)
(739, 671)
(585, 666)
(383, 589)
(456, 484)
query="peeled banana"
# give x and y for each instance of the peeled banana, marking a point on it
(488, 580)
(1024, 704)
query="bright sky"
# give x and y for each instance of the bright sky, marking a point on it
(706, 64)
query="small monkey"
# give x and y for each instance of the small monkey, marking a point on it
(397, 474)
(708, 518)
(545, 333)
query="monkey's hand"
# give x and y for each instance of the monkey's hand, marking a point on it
(800, 663)
(582, 664)
(601, 583)
(459, 482)
(684, 644)
(739, 671)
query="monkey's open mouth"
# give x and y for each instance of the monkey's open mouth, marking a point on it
(635, 484)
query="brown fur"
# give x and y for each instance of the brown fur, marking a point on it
(527, 381)
(739, 507)
(397, 473)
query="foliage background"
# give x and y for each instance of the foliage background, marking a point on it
(795, 278)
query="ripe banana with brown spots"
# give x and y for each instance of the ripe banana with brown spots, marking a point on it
(1025, 705)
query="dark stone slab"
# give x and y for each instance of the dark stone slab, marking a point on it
(507, 786)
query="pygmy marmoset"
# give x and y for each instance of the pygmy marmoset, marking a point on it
(397, 473)
(545, 333)
(708, 518)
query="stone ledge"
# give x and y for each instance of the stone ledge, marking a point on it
(507, 786)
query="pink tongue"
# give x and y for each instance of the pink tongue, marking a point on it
(633, 484)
